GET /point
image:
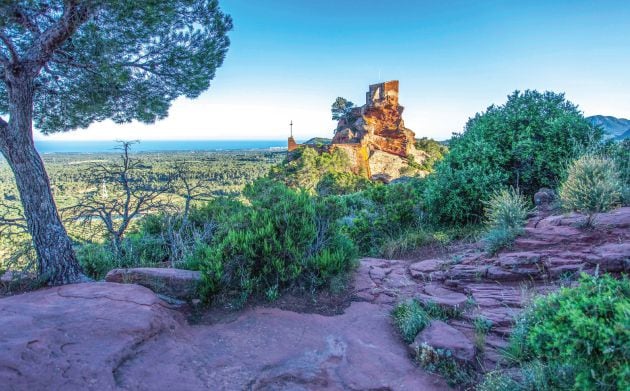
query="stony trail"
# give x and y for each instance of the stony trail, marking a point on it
(109, 336)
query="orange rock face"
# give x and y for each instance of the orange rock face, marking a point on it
(380, 129)
(374, 136)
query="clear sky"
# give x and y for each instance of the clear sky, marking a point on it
(289, 59)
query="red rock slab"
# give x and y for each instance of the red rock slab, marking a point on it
(444, 297)
(108, 336)
(76, 336)
(272, 349)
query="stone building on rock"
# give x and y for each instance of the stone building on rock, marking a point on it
(374, 137)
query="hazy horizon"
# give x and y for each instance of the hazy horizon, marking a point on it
(289, 60)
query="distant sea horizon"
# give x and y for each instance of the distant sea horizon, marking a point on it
(99, 146)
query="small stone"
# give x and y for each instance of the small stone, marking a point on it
(440, 335)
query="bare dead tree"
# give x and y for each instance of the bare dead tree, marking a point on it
(118, 195)
(189, 188)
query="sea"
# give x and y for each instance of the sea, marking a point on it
(48, 146)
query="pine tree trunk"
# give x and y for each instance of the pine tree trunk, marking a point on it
(56, 260)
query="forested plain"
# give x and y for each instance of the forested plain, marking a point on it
(72, 175)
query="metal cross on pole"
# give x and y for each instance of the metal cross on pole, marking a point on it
(291, 124)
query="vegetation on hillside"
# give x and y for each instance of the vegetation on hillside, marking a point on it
(525, 143)
(257, 225)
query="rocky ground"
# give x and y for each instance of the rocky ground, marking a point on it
(105, 336)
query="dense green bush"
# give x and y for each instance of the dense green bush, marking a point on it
(384, 213)
(435, 152)
(337, 183)
(592, 186)
(506, 213)
(582, 333)
(280, 238)
(137, 250)
(524, 143)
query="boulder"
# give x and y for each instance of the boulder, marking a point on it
(440, 335)
(177, 283)
(544, 197)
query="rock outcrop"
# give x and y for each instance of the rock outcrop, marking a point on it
(108, 336)
(375, 138)
(552, 251)
(176, 283)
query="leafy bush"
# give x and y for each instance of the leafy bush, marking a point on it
(280, 239)
(482, 326)
(592, 186)
(582, 333)
(137, 250)
(506, 213)
(337, 183)
(410, 319)
(435, 152)
(384, 213)
(524, 143)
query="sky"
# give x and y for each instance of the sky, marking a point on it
(290, 59)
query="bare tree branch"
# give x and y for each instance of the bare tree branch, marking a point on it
(12, 222)
(128, 197)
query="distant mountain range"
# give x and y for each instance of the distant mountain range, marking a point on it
(615, 128)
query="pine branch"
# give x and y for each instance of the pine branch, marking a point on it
(10, 47)
(75, 14)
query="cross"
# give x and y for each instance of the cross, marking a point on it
(291, 124)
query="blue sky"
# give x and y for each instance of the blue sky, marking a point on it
(290, 59)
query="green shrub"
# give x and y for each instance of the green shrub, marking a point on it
(507, 208)
(337, 183)
(524, 143)
(280, 238)
(592, 186)
(410, 319)
(306, 168)
(96, 260)
(441, 361)
(435, 152)
(482, 326)
(499, 238)
(582, 333)
(385, 218)
(137, 250)
(620, 154)
(506, 213)
(498, 381)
